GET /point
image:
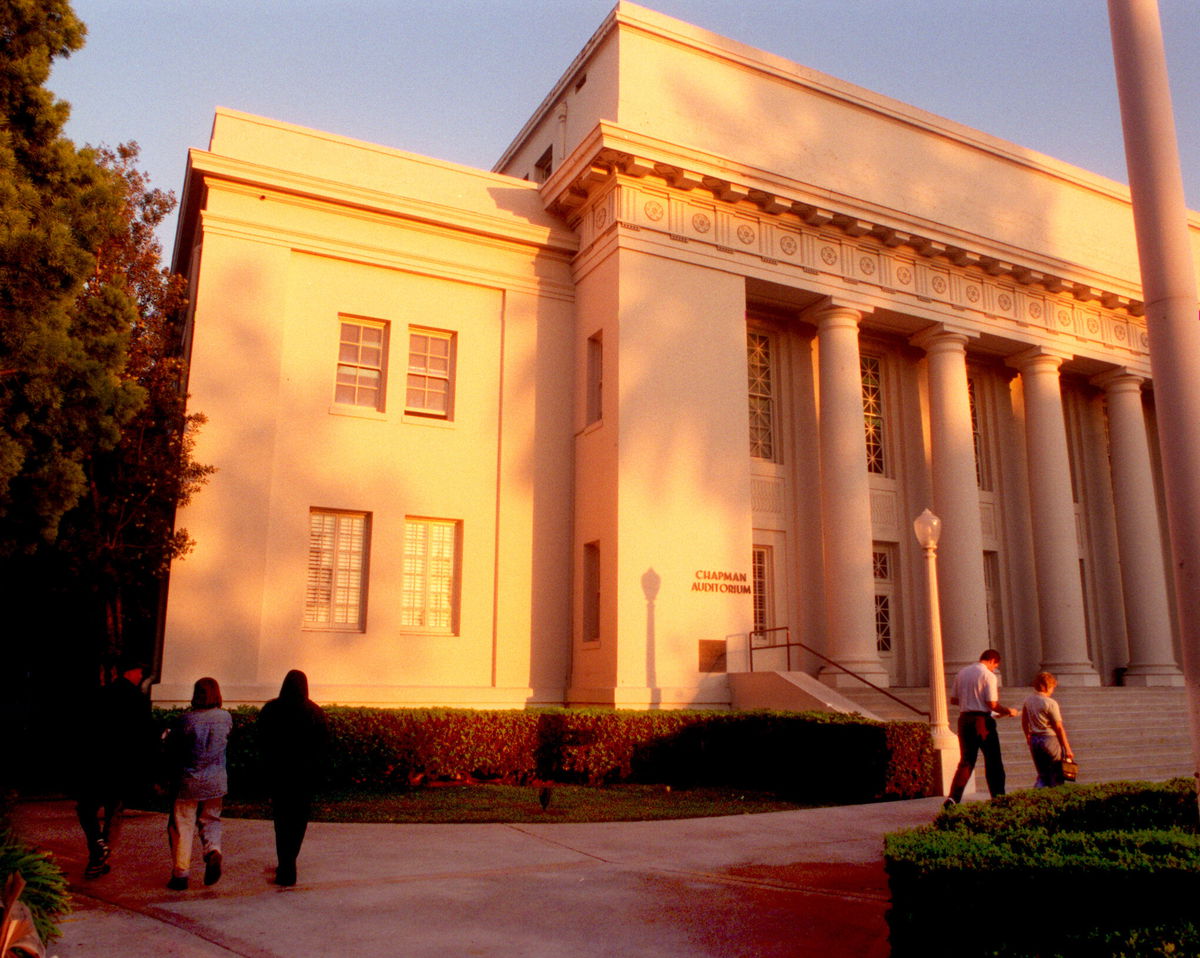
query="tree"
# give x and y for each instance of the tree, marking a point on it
(62, 395)
(119, 541)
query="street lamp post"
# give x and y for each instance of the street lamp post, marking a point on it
(928, 529)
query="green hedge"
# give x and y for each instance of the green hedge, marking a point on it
(807, 756)
(1101, 869)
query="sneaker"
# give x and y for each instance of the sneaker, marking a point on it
(212, 867)
(177, 883)
(949, 803)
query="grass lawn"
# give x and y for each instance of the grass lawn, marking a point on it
(514, 803)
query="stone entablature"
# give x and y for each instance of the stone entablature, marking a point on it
(934, 280)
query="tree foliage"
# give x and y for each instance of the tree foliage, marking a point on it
(62, 394)
(95, 440)
(121, 538)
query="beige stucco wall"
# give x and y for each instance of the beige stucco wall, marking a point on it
(672, 446)
(281, 264)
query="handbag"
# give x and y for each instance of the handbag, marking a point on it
(1070, 770)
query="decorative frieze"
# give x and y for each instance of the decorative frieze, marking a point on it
(737, 221)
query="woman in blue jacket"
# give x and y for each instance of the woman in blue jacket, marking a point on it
(198, 745)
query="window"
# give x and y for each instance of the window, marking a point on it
(430, 373)
(883, 561)
(762, 396)
(991, 584)
(335, 596)
(428, 590)
(595, 378)
(591, 592)
(760, 571)
(983, 472)
(872, 399)
(360, 370)
(544, 166)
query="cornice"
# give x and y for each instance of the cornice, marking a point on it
(757, 232)
(214, 167)
(613, 153)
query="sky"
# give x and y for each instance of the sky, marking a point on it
(457, 79)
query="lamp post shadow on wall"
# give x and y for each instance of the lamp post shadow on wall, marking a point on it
(928, 529)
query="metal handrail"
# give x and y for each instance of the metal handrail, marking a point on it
(789, 645)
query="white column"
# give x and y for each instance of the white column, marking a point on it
(1055, 538)
(1167, 260)
(845, 501)
(956, 498)
(1143, 574)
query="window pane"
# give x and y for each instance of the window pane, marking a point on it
(873, 412)
(428, 575)
(430, 373)
(762, 396)
(336, 569)
(361, 362)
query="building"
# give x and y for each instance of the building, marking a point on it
(670, 383)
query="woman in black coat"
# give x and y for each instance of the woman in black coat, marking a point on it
(294, 738)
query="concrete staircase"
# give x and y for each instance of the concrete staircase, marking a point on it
(1116, 733)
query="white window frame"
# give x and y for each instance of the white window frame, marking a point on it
(335, 596)
(875, 409)
(426, 370)
(359, 363)
(763, 396)
(887, 619)
(429, 587)
(762, 575)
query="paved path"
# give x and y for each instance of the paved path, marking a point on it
(797, 884)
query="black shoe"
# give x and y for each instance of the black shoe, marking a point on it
(949, 803)
(212, 867)
(285, 875)
(177, 883)
(98, 861)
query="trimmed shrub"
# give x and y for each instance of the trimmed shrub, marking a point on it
(1098, 869)
(813, 756)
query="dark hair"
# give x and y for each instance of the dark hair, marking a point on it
(295, 687)
(990, 655)
(206, 694)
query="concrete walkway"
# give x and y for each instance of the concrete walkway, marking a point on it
(804, 883)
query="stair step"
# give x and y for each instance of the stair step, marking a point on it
(1117, 733)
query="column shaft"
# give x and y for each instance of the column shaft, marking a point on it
(956, 500)
(1055, 538)
(1143, 574)
(845, 499)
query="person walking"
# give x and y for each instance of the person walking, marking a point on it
(294, 739)
(1041, 721)
(197, 746)
(977, 695)
(115, 734)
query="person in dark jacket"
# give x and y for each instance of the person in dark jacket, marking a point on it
(293, 735)
(116, 746)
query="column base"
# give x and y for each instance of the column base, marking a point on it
(1154, 675)
(1073, 673)
(838, 679)
(945, 762)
